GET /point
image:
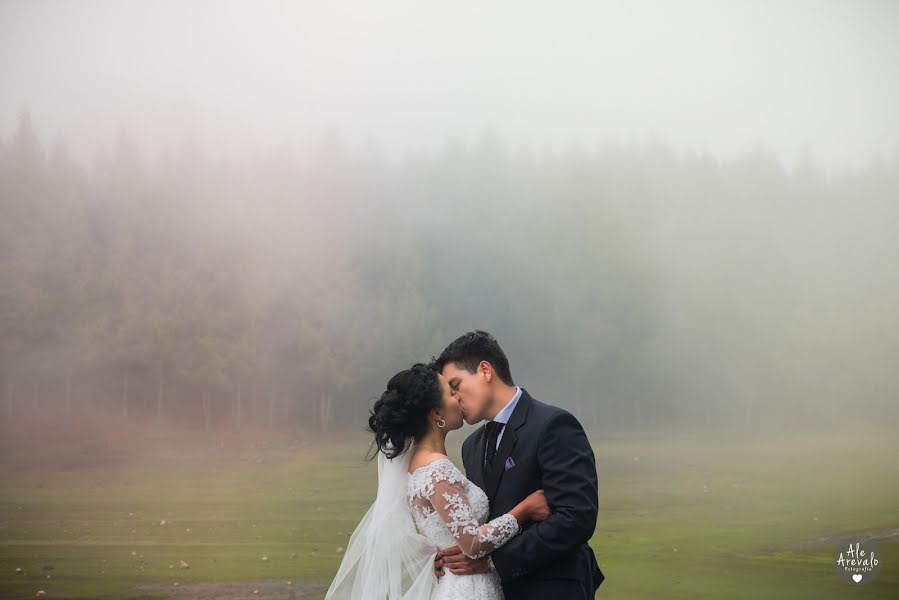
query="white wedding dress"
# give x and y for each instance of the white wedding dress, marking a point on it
(452, 511)
(390, 555)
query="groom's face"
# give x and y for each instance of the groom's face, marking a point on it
(471, 390)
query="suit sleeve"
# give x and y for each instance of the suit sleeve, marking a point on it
(568, 471)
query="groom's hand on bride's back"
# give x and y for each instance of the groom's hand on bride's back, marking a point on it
(438, 564)
(453, 559)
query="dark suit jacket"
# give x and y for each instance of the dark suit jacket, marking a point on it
(549, 450)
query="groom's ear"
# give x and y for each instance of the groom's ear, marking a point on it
(487, 369)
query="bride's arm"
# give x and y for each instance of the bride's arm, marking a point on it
(473, 539)
(444, 492)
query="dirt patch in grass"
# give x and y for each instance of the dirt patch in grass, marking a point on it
(224, 590)
(230, 590)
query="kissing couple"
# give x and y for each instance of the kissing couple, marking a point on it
(514, 526)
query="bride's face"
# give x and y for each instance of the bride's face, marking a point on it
(452, 411)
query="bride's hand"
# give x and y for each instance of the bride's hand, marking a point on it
(539, 509)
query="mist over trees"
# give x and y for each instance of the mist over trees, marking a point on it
(637, 287)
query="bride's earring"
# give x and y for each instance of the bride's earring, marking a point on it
(441, 423)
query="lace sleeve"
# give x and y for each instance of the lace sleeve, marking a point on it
(448, 498)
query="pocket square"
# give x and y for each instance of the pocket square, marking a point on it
(509, 463)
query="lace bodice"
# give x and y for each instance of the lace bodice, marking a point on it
(451, 511)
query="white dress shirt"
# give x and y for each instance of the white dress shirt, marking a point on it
(506, 412)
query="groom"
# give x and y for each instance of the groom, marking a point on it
(524, 446)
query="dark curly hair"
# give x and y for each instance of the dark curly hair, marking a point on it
(402, 410)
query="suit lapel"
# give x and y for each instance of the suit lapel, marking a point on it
(478, 467)
(499, 459)
(498, 468)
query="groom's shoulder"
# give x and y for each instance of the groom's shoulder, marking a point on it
(546, 412)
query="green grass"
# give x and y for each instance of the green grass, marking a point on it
(679, 518)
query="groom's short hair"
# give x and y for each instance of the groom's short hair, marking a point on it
(470, 349)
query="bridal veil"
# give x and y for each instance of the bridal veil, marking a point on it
(386, 558)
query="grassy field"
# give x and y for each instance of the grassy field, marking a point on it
(679, 517)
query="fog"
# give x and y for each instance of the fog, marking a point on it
(715, 76)
(221, 215)
(225, 225)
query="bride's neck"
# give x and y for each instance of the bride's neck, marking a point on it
(433, 441)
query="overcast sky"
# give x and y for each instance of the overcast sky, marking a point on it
(713, 75)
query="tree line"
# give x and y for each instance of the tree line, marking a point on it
(639, 287)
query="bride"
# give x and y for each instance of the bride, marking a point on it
(424, 504)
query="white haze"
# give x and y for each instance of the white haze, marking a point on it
(407, 76)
